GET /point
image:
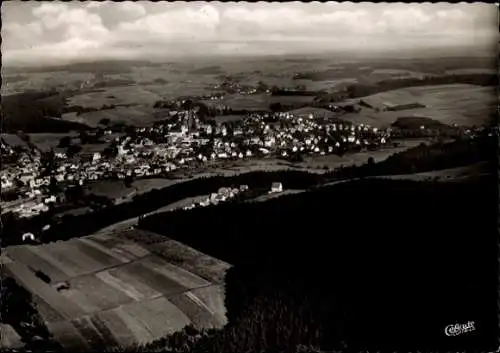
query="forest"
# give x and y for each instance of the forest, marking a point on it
(36, 112)
(365, 264)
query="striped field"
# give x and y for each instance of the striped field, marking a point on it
(119, 292)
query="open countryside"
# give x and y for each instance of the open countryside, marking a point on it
(116, 286)
(189, 187)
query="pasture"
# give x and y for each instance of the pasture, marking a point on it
(461, 104)
(314, 163)
(9, 338)
(47, 141)
(445, 175)
(384, 74)
(13, 140)
(116, 189)
(133, 115)
(119, 292)
(317, 163)
(258, 101)
(113, 189)
(136, 94)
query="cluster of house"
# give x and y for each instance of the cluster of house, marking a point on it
(298, 134)
(222, 195)
(183, 142)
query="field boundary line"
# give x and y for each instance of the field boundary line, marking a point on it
(154, 297)
(91, 273)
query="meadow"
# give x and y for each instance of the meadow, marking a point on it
(135, 115)
(119, 292)
(47, 141)
(461, 104)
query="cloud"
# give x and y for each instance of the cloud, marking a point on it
(46, 31)
(94, 4)
(131, 9)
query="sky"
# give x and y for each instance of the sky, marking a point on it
(57, 32)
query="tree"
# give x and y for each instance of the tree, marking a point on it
(74, 193)
(371, 161)
(48, 161)
(275, 107)
(72, 150)
(104, 121)
(53, 186)
(65, 142)
(128, 181)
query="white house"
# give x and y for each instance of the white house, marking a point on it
(276, 187)
(28, 236)
(96, 156)
(50, 199)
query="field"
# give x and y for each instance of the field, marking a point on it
(447, 175)
(44, 142)
(258, 101)
(317, 112)
(116, 189)
(116, 95)
(461, 104)
(13, 140)
(272, 196)
(47, 141)
(9, 337)
(383, 74)
(119, 292)
(313, 164)
(113, 189)
(133, 221)
(135, 115)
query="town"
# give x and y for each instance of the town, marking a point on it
(181, 142)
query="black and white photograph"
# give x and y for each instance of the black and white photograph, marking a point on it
(249, 177)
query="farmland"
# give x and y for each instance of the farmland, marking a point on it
(313, 164)
(116, 189)
(9, 337)
(118, 292)
(45, 142)
(259, 102)
(135, 115)
(451, 174)
(460, 104)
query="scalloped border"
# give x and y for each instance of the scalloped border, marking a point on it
(361, 2)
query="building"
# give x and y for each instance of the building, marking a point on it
(276, 187)
(28, 237)
(96, 156)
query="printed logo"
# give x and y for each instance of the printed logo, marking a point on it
(459, 329)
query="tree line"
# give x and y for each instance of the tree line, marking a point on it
(19, 311)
